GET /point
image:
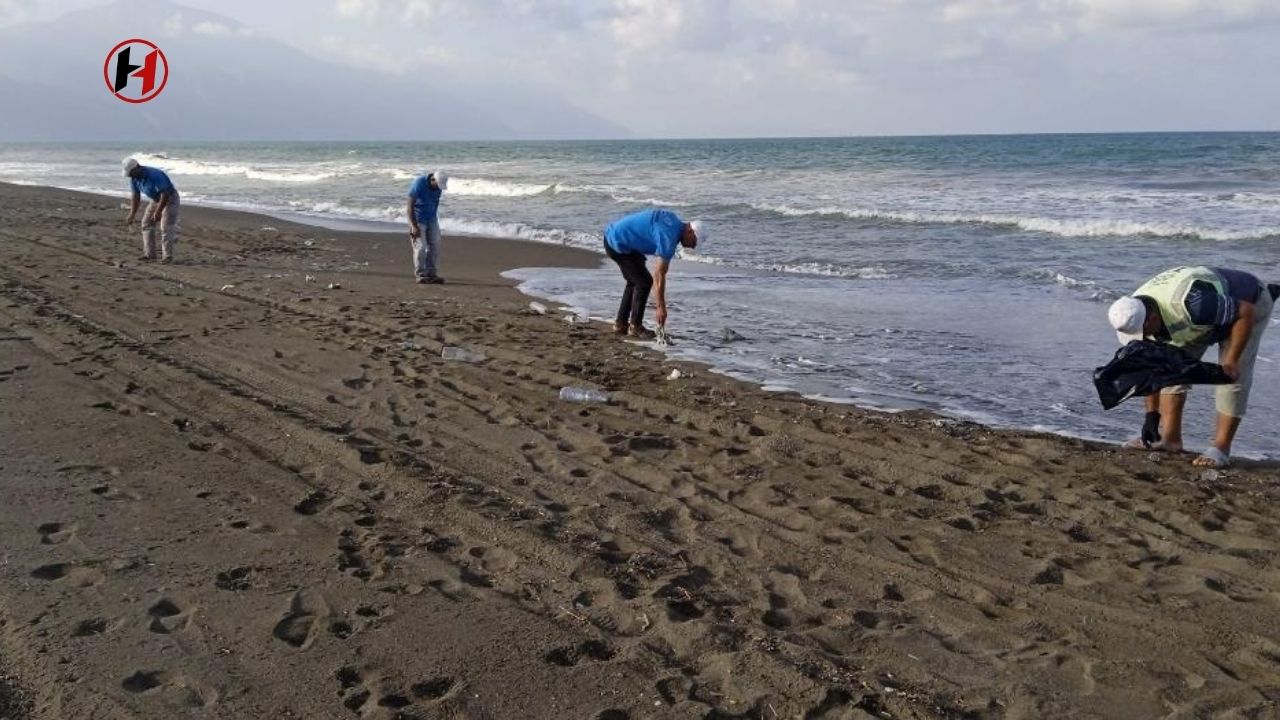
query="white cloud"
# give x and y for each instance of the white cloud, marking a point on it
(218, 29)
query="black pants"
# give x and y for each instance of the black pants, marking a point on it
(639, 282)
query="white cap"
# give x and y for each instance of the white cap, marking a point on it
(442, 179)
(1127, 316)
(129, 164)
(699, 231)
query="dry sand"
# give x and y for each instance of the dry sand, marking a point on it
(275, 500)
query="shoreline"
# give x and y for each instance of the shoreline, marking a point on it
(375, 233)
(231, 491)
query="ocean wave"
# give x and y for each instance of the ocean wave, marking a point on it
(806, 268)
(1099, 227)
(520, 231)
(630, 195)
(495, 188)
(1094, 290)
(179, 166)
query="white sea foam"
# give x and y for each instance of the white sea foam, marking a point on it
(520, 231)
(1094, 290)
(1085, 227)
(494, 188)
(809, 268)
(179, 166)
(626, 194)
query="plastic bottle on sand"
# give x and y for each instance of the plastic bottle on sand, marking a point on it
(461, 355)
(583, 395)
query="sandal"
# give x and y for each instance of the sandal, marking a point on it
(1212, 457)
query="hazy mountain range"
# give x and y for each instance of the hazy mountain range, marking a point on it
(228, 82)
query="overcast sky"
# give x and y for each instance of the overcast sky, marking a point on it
(718, 68)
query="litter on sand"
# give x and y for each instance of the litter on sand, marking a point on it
(675, 374)
(583, 395)
(225, 288)
(538, 308)
(462, 355)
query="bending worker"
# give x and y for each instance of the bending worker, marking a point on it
(163, 208)
(627, 241)
(1193, 308)
(423, 211)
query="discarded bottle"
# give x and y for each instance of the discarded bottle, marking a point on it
(461, 355)
(583, 395)
(538, 308)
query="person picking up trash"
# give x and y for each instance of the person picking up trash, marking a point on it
(163, 208)
(627, 242)
(1193, 308)
(424, 224)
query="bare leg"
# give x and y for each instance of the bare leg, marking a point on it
(1171, 405)
(1226, 433)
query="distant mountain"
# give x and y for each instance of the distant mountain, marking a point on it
(229, 83)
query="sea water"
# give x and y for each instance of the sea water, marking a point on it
(965, 275)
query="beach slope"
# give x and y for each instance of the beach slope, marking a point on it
(247, 485)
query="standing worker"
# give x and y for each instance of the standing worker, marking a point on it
(162, 209)
(424, 224)
(627, 241)
(1193, 308)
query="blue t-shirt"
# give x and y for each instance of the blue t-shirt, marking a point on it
(425, 200)
(648, 232)
(1207, 307)
(152, 183)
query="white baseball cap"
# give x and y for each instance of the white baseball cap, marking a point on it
(129, 164)
(1127, 316)
(442, 179)
(699, 230)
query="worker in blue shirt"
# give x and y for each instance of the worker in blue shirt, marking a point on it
(628, 241)
(163, 208)
(424, 224)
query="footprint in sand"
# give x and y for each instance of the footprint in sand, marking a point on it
(55, 533)
(168, 617)
(109, 492)
(313, 503)
(570, 655)
(78, 575)
(300, 626)
(436, 688)
(94, 626)
(172, 687)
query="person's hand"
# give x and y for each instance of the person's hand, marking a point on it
(1232, 369)
(414, 231)
(662, 316)
(129, 220)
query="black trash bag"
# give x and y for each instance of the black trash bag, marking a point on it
(1144, 366)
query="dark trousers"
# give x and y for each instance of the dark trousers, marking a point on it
(639, 282)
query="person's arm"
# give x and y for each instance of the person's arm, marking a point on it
(414, 231)
(160, 205)
(133, 207)
(1241, 331)
(660, 289)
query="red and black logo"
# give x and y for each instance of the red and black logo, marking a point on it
(136, 70)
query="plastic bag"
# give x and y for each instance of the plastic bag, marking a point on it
(1144, 366)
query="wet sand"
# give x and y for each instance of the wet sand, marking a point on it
(230, 492)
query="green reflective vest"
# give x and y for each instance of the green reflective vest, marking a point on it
(1170, 289)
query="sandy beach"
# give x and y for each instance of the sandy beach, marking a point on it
(247, 485)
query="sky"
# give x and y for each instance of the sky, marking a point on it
(739, 68)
